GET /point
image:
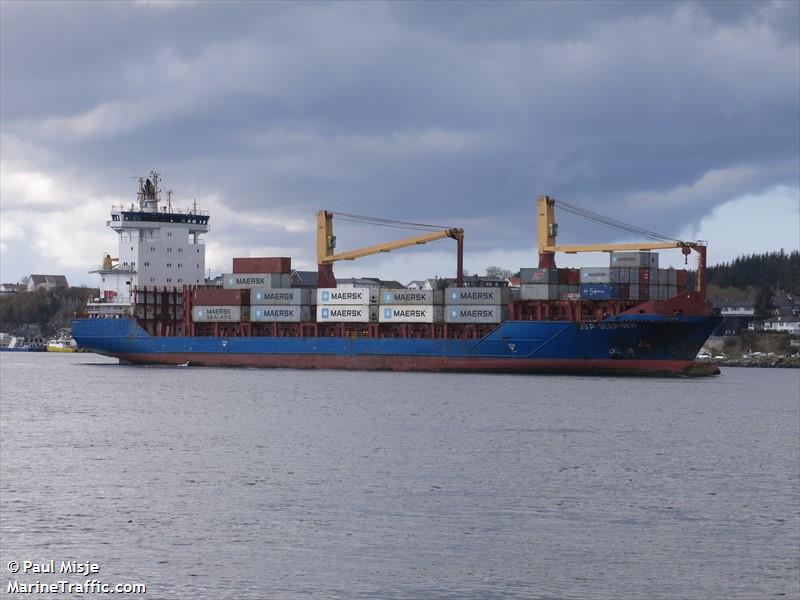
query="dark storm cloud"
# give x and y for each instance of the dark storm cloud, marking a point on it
(453, 113)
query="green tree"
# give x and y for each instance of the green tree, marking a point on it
(763, 302)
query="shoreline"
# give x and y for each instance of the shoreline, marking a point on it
(769, 362)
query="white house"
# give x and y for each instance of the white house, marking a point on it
(790, 325)
(740, 310)
(46, 282)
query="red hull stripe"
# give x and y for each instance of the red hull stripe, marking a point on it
(426, 363)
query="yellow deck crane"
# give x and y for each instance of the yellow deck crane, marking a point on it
(326, 244)
(547, 230)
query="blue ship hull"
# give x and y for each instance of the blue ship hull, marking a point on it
(635, 344)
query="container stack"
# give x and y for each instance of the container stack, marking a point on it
(410, 306)
(549, 284)
(259, 289)
(475, 305)
(216, 305)
(596, 284)
(259, 272)
(280, 305)
(569, 284)
(538, 284)
(346, 305)
(664, 283)
(639, 278)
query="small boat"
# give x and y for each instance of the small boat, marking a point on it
(63, 342)
(25, 344)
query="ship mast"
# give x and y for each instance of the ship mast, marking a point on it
(149, 193)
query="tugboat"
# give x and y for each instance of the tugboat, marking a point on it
(63, 342)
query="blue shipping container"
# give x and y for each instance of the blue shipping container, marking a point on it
(599, 291)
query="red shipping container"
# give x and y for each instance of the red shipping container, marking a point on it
(573, 276)
(644, 292)
(563, 277)
(683, 279)
(217, 297)
(644, 276)
(263, 264)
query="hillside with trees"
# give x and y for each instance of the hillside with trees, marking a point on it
(773, 270)
(42, 312)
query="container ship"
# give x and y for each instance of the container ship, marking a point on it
(156, 306)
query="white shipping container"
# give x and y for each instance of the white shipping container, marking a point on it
(474, 314)
(347, 313)
(246, 281)
(595, 275)
(634, 259)
(410, 313)
(276, 296)
(476, 295)
(395, 296)
(280, 314)
(216, 314)
(344, 296)
(538, 291)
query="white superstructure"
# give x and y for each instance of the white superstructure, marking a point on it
(157, 246)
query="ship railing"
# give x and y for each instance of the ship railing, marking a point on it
(115, 301)
(115, 269)
(118, 208)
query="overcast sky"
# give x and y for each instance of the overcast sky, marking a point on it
(680, 117)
